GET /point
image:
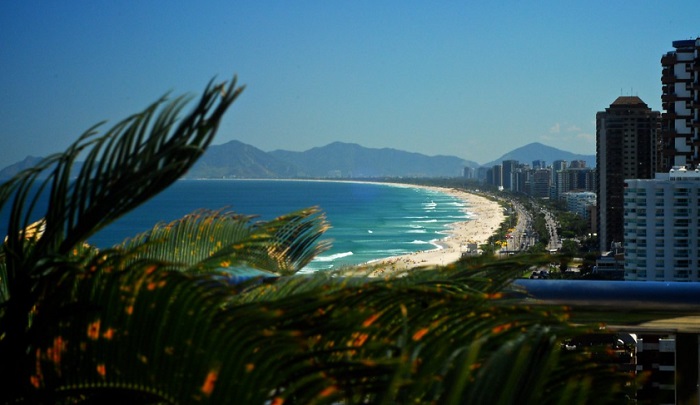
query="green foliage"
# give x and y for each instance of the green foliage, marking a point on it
(539, 224)
(572, 225)
(165, 317)
(570, 248)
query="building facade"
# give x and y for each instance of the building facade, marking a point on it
(539, 182)
(496, 176)
(579, 202)
(509, 170)
(571, 179)
(626, 136)
(662, 237)
(679, 140)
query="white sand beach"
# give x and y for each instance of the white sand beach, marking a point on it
(486, 217)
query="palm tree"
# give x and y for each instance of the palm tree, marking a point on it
(174, 315)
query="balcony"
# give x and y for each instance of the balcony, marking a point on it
(668, 59)
(667, 78)
(669, 98)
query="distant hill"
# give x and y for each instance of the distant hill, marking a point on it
(538, 151)
(235, 159)
(11, 170)
(340, 159)
(239, 160)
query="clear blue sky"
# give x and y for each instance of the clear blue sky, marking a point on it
(473, 79)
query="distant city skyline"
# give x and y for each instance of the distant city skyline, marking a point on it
(473, 81)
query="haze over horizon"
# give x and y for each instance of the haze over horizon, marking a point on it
(473, 81)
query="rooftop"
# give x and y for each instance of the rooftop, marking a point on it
(628, 100)
(685, 43)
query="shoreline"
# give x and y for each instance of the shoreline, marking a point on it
(486, 217)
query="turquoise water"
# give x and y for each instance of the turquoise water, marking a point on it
(368, 221)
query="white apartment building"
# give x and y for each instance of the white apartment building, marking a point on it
(578, 202)
(661, 230)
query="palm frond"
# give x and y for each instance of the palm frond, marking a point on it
(441, 341)
(323, 339)
(207, 241)
(153, 321)
(126, 166)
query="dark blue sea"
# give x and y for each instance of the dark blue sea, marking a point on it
(368, 221)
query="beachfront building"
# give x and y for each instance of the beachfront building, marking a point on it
(680, 100)
(662, 237)
(538, 182)
(469, 172)
(573, 179)
(625, 149)
(495, 176)
(509, 170)
(482, 174)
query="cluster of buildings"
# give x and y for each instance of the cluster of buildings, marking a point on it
(649, 175)
(572, 182)
(643, 197)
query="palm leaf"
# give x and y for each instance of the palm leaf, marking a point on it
(149, 333)
(211, 240)
(146, 323)
(161, 334)
(126, 166)
(442, 341)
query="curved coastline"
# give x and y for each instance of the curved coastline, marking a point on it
(485, 218)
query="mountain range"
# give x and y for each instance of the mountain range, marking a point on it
(235, 159)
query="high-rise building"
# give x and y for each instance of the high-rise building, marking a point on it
(626, 134)
(662, 239)
(482, 174)
(496, 176)
(539, 183)
(509, 169)
(679, 141)
(469, 172)
(557, 166)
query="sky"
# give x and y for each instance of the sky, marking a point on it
(473, 79)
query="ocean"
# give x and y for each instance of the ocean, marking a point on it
(369, 221)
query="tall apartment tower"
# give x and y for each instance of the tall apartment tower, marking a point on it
(497, 176)
(680, 100)
(509, 168)
(662, 239)
(626, 136)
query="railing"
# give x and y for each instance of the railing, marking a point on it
(660, 305)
